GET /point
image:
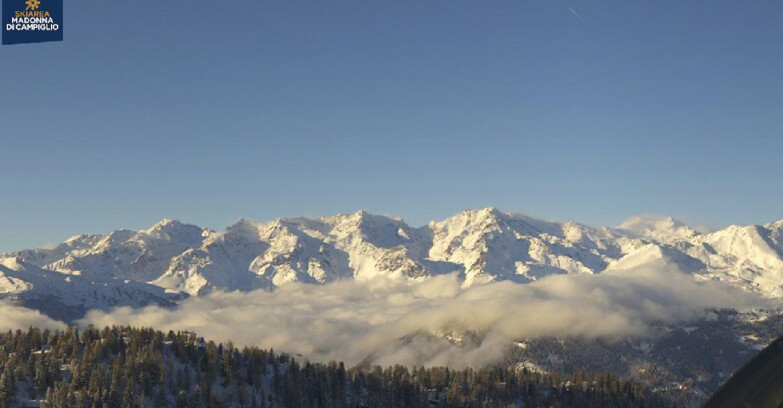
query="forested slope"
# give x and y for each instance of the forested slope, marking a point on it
(124, 367)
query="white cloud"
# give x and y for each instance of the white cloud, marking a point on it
(350, 320)
(15, 317)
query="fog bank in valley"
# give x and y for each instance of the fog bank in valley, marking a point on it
(349, 320)
(14, 317)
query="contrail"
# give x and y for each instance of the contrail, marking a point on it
(575, 14)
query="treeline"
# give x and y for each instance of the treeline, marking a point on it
(125, 367)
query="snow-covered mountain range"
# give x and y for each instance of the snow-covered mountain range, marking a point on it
(171, 258)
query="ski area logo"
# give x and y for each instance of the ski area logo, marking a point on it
(32, 21)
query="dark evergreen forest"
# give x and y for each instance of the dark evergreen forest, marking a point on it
(126, 367)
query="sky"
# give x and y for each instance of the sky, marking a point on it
(568, 110)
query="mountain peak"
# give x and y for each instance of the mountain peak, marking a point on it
(171, 229)
(165, 224)
(657, 227)
(362, 218)
(245, 227)
(167, 221)
(490, 211)
(244, 222)
(484, 213)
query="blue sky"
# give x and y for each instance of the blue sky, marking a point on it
(207, 113)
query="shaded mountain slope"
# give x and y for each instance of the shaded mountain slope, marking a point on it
(758, 384)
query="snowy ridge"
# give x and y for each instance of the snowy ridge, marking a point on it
(480, 245)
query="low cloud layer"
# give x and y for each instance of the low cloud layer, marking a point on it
(15, 317)
(350, 320)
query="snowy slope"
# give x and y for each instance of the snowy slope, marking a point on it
(750, 256)
(480, 245)
(67, 297)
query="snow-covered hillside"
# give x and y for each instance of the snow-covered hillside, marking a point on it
(481, 245)
(67, 297)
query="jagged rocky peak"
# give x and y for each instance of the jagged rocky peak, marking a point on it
(167, 225)
(489, 222)
(486, 214)
(360, 219)
(493, 218)
(471, 220)
(82, 239)
(174, 230)
(362, 226)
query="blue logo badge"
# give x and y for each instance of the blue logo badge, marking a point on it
(32, 21)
